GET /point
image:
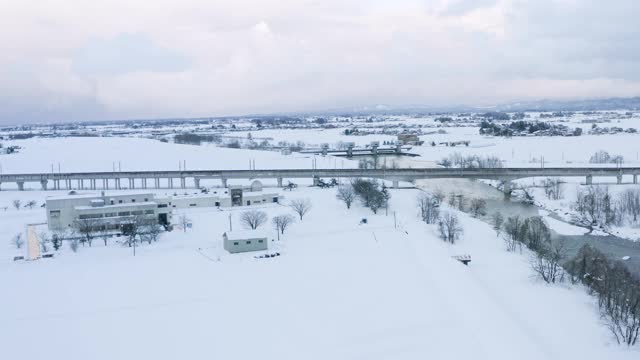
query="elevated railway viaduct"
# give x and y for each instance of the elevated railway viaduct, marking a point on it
(192, 178)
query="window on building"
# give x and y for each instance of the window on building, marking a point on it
(192, 205)
(162, 205)
(111, 202)
(275, 199)
(124, 213)
(133, 200)
(217, 203)
(248, 242)
(111, 214)
(146, 199)
(89, 216)
(119, 201)
(248, 202)
(260, 241)
(236, 243)
(137, 212)
(54, 213)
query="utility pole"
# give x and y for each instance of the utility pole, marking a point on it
(230, 224)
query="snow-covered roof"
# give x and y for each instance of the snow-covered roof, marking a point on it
(246, 234)
(98, 195)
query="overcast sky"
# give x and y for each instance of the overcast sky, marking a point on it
(70, 60)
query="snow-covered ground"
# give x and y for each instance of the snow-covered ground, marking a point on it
(339, 290)
(385, 290)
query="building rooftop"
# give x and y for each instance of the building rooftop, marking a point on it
(246, 234)
(98, 195)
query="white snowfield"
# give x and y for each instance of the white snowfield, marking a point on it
(109, 154)
(339, 290)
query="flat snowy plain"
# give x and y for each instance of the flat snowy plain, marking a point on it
(385, 290)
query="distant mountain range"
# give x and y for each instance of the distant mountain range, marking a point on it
(632, 103)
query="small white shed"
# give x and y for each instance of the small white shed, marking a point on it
(244, 240)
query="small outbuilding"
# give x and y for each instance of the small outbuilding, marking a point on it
(244, 241)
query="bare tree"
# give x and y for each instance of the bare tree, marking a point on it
(300, 206)
(498, 220)
(515, 229)
(253, 219)
(538, 235)
(461, 202)
(151, 230)
(88, 229)
(429, 208)
(44, 240)
(30, 204)
(630, 203)
(346, 194)
(184, 221)
(547, 262)
(16, 204)
(17, 240)
(281, 223)
(449, 227)
(477, 207)
(104, 234)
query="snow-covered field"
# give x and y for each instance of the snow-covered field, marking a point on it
(388, 289)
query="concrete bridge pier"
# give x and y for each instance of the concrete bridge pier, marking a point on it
(183, 183)
(170, 183)
(224, 183)
(589, 179)
(507, 189)
(92, 183)
(279, 182)
(196, 182)
(144, 183)
(43, 183)
(635, 179)
(20, 185)
(157, 183)
(619, 179)
(105, 184)
(80, 184)
(118, 185)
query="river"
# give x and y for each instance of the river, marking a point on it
(612, 246)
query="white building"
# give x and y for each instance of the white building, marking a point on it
(244, 240)
(109, 212)
(112, 211)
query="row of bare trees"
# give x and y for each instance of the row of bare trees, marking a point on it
(17, 204)
(597, 207)
(448, 224)
(458, 160)
(253, 219)
(617, 290)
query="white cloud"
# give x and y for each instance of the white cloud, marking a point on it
(260, 56)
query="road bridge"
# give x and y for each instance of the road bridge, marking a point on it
(192, 178)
